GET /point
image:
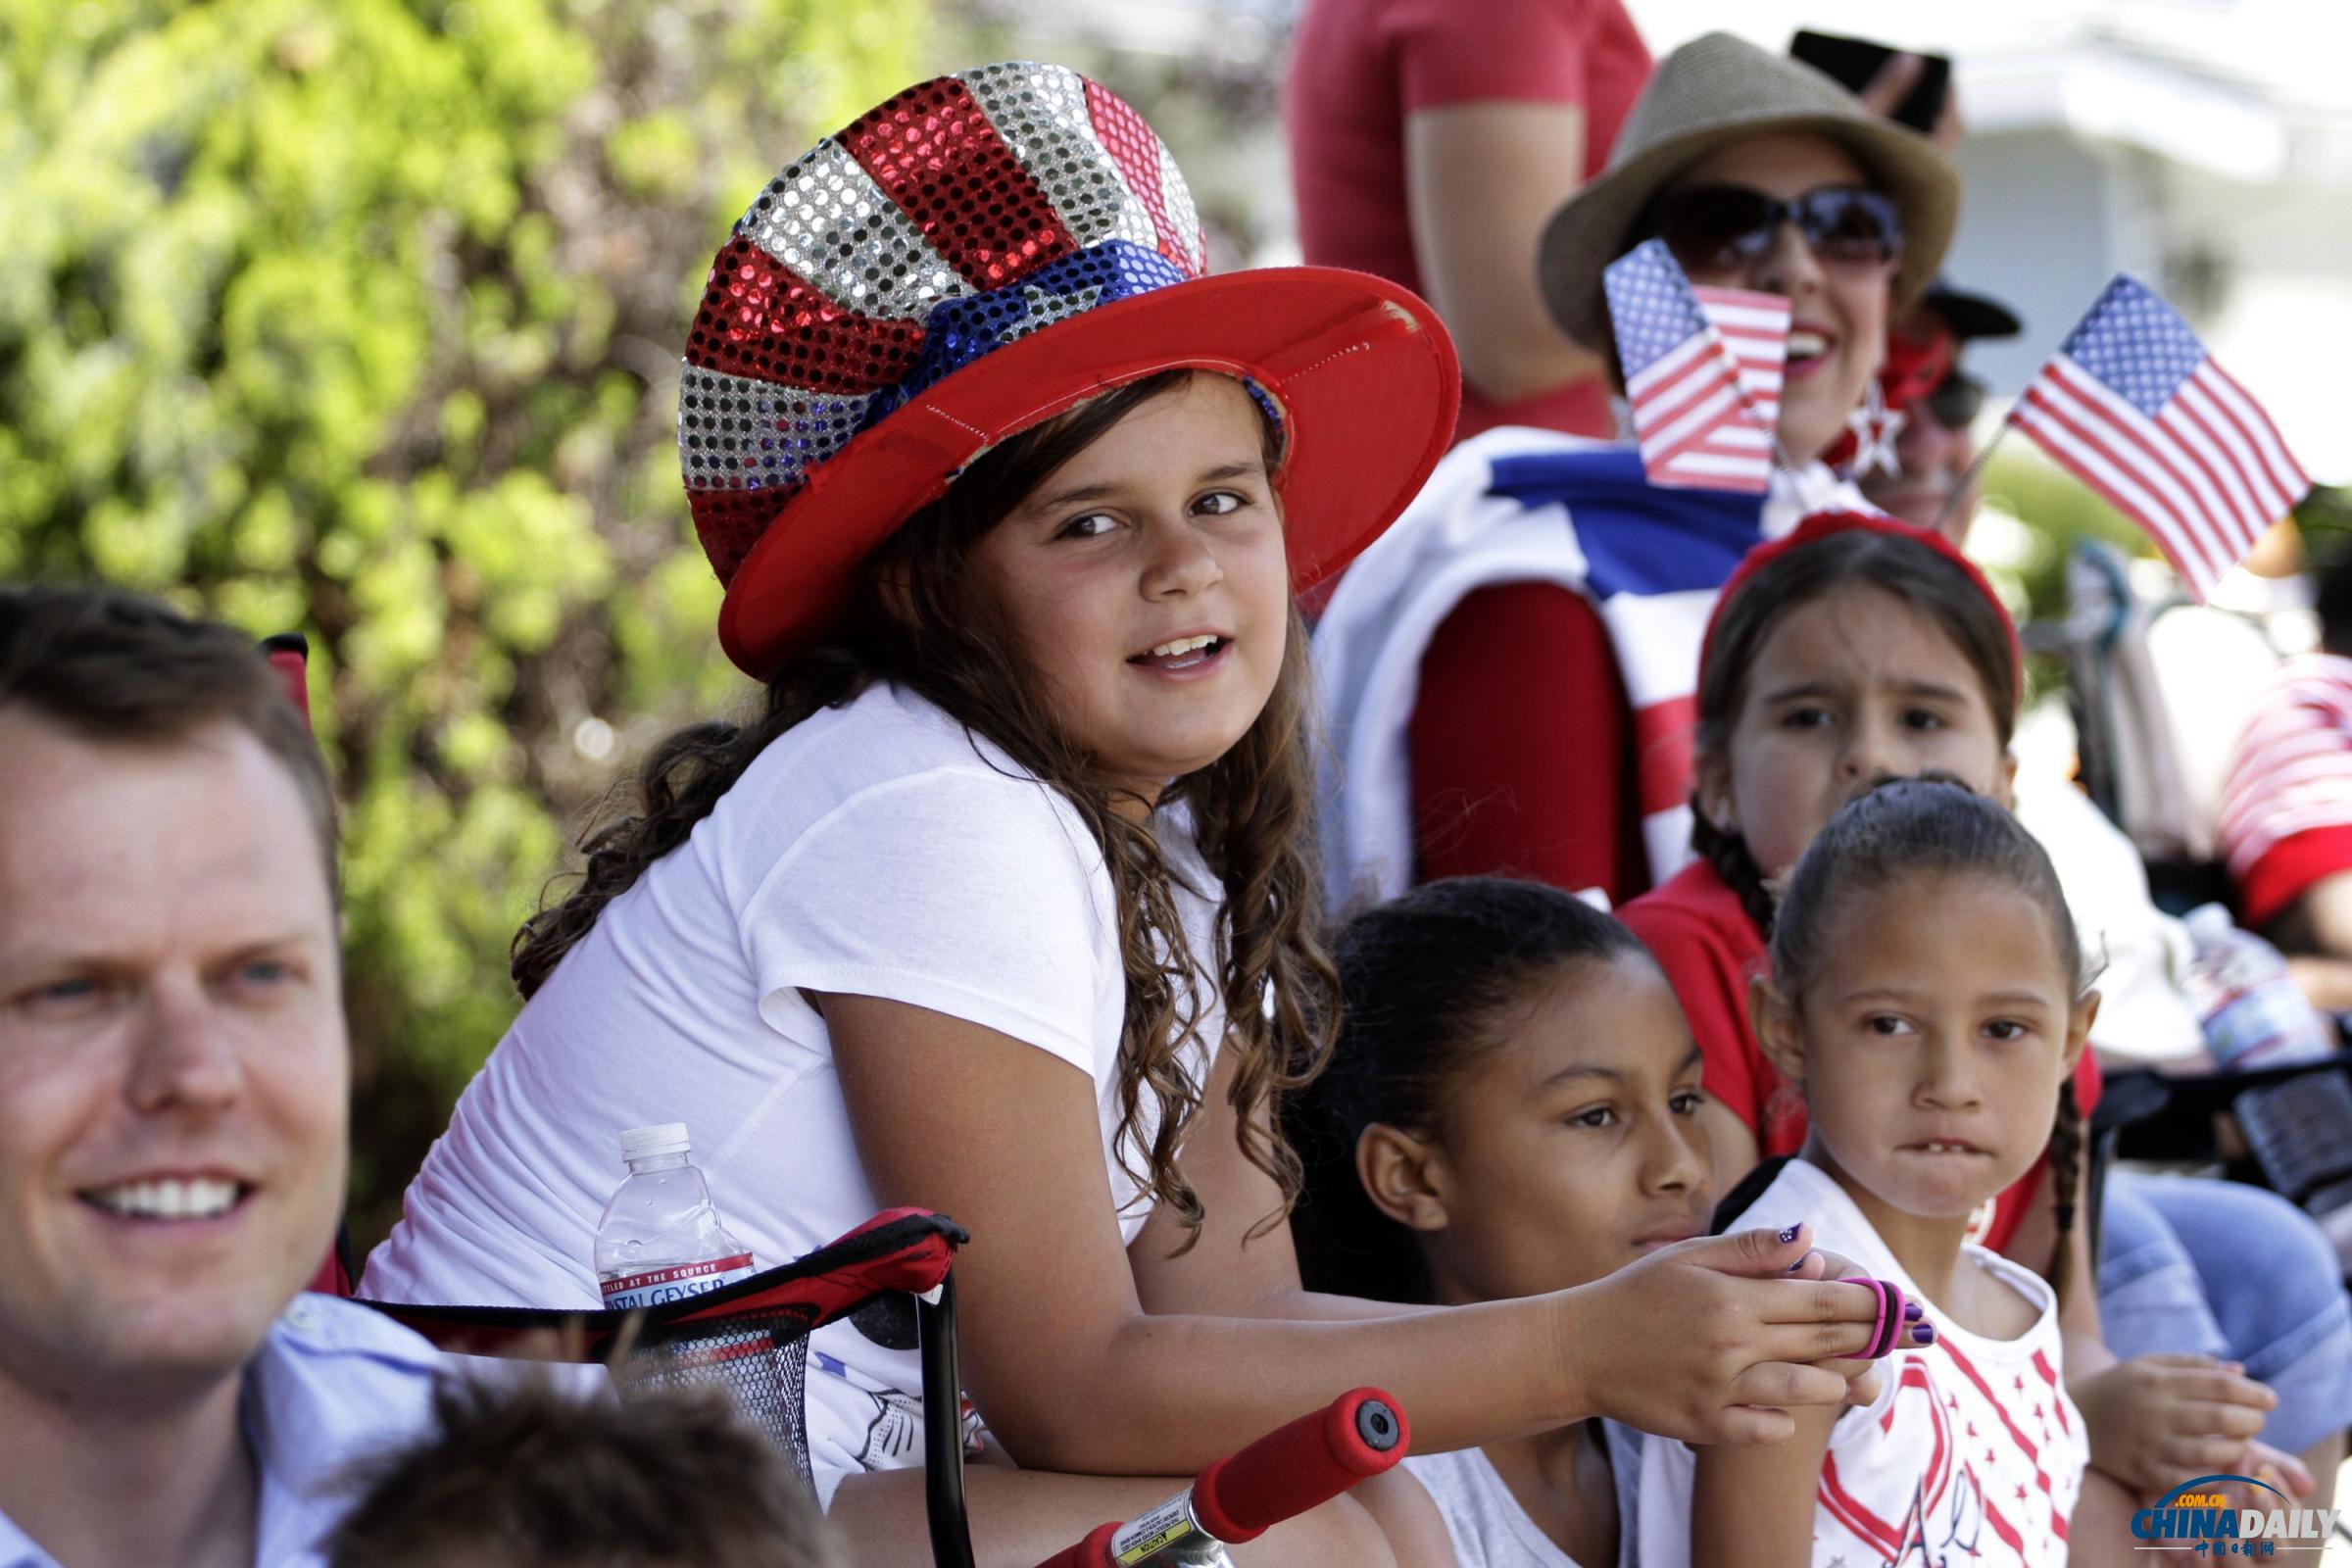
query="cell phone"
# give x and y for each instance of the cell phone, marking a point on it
(1852, 62)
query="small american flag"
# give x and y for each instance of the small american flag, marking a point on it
(1703, 370)
(2134, 408)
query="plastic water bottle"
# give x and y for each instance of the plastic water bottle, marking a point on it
(659, 1239)
(2254, 1015)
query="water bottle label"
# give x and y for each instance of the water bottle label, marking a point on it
(625, 1293)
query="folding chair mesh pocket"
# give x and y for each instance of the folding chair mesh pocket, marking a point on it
(761, 1361)
(749, 1338)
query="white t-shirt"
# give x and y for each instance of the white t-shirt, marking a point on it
(1487, 1527)
(1972, 1455)
(877, 849)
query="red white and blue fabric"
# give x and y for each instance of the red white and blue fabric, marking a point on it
(2133, 406)
(953, 219)
(1525, 505)
(2286, 807)
(1702, 371)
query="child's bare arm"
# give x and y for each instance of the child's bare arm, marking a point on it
(1752, 1507)
(1073, 1371)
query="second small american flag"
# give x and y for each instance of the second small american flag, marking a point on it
(1702, 371)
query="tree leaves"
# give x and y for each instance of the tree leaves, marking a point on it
(363, 318)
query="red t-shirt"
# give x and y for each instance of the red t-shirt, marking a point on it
(1710, 950)
(1360, 67)
(1540, 783)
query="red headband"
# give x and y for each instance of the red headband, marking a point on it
(1821, 526)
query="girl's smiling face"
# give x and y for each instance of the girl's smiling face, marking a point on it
(1931, 1041)
(1145, 584)
(1570, 1148)
(1851, 688)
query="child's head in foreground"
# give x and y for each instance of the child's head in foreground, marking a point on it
(530, 1476)
(1928, 995)
(1512, 1106)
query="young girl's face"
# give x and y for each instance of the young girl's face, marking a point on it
(1145, 583)
(1574, 1146)
(1854, 687)
(1933, 1040)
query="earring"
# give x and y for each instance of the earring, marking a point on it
(1874, 428)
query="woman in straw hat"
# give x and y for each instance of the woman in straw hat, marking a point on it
(1509, 669)
(1003, 904)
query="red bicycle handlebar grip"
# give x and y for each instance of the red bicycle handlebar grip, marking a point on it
(1091, 1552)
(1300, 1466)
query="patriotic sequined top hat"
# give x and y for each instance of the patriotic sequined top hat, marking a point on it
(1715, 90)
(974, 256)
(1820, 526)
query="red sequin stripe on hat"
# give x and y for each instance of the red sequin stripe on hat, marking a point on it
(760, 319)
(1135, 152)
(728, 522)
(936, 156)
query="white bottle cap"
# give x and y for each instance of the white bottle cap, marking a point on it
(644, 1142)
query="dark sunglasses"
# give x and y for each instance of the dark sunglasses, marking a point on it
(1718, 226)
(1956, 401)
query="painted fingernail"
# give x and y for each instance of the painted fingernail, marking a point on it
(1913, 1312)
(1790, 1234)
(1923, 1333)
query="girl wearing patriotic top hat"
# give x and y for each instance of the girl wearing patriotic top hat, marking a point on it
(1004, 901)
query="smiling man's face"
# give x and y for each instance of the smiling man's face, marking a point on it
(173, 1068)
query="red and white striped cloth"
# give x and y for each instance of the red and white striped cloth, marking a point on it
(2287, 806)
(1702, 371)
(2133, 406)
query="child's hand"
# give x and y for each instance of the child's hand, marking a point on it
(2278, 1467)
(1861, 1377)
(2157, 1420)
(1711, 1339)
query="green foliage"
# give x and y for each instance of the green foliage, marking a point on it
(363, 317)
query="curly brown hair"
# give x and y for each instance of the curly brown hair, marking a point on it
(914, 622)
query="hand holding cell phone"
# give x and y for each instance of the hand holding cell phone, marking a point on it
(1910, 88)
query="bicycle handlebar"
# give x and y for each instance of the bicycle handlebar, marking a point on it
(1300, 1466)
(1292, 1469)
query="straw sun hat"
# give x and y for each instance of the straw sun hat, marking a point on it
(975, 256)
(1710, 92)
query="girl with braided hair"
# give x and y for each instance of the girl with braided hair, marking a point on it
(1855, 650)
(1928, 991)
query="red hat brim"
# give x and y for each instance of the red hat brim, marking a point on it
(1364, 375)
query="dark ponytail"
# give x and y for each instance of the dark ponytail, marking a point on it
(1728, 853)
(2066, 1174)
(1423, 980)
